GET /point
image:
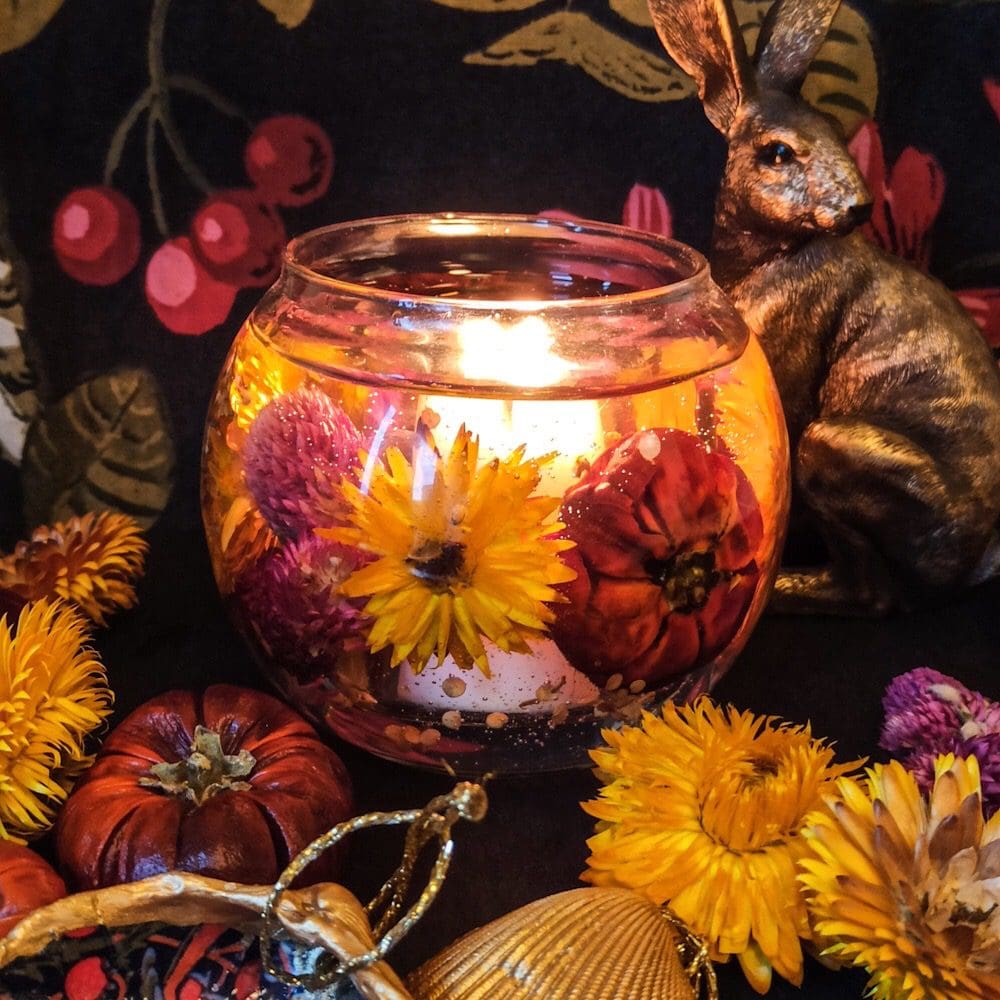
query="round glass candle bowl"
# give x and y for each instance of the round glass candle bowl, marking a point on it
(476, 487)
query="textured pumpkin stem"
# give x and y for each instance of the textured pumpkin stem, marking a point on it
(207, 771)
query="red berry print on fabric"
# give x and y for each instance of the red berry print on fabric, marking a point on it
(238, 239)
(235, 238)
(185, 297)
(95, 234)
(290, 160)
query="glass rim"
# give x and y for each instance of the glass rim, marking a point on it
(674, 253)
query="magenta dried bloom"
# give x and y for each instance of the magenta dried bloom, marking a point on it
(928, 713)
(925, 708)
(299, 448)
(291, 600)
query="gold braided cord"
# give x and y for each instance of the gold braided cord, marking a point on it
(433, 822)
(694, 957)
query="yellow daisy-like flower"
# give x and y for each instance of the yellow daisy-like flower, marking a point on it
(463, 551)
(53, 692)
(909, 888)
(703, 808)
(92, 561)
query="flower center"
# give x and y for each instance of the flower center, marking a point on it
(761, 768)
(686, 578)
(746, 803)
(439, 564)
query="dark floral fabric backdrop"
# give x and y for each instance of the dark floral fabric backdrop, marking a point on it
(156, 154)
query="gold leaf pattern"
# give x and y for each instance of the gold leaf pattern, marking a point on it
(104, 446)
(843, 80)
(18, 380)
(576, 39)
(290, 13)
(489, 6)
(635, 11)
(20, 21)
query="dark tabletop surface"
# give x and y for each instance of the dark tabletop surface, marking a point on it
(828, 671)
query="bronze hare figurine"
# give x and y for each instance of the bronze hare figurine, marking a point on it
(891, 395)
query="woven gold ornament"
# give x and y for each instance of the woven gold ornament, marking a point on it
(585, 944)
(352, 940)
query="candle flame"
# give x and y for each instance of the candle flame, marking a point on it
(519, 353)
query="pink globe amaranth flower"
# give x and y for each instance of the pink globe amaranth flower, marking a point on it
(299, 448)
(290, 600)
(921, 708)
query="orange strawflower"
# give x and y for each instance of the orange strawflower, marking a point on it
(91, 561)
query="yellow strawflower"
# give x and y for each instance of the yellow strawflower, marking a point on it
(909, 888)
(53, 692)
(463, 551)
(703, 808)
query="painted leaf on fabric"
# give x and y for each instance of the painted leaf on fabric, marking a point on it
(636, 11)
(290, 13)
(21, 20)
(489, 6)
(19, 404)
(843, 80)
(104, 446)
(578, 40)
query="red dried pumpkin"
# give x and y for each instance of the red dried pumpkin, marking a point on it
(666, 534)
(230, 784)
(26, 882)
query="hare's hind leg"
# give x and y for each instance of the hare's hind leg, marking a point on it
(892, 521)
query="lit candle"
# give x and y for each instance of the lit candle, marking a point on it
(521, 355)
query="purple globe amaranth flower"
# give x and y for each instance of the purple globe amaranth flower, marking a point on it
(928, 713)
(925, 708)
(905, 690)
(299, 448)
(290, 599)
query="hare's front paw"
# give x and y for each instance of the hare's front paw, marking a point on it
(819, 592)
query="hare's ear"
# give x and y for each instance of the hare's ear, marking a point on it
(703, 36)
(790, 37)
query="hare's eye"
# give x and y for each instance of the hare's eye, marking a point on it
(776, 154)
